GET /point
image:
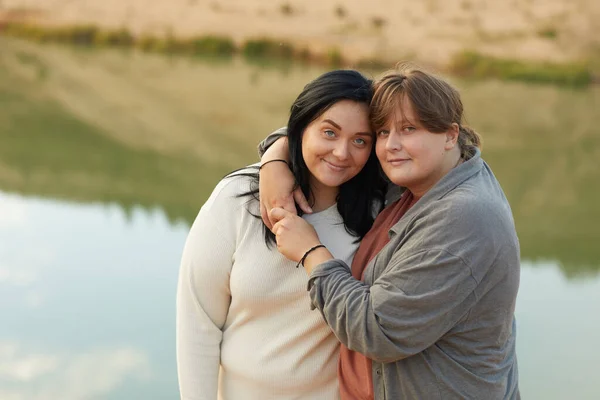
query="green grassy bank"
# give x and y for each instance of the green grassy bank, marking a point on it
(467, 63)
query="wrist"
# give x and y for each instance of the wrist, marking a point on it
(316, 257)
(263, 163)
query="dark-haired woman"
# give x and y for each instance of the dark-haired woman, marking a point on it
(244, 325)
(427, 310)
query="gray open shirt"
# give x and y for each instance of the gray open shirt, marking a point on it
(436, 310)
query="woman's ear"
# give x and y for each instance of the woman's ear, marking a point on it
(452, 136)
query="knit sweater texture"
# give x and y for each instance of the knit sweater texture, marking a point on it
(245, 329)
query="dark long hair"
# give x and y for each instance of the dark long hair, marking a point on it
(360, 197)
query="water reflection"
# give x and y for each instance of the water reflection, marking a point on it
(94, 374)
(557, 330)
(86, 311)
(148, 131)
(87, 303)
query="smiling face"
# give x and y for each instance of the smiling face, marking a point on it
(410, 154)
(337, 145)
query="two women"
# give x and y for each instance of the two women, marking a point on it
(244, 325)
(426, 309)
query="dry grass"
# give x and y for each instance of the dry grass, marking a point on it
(422, 28)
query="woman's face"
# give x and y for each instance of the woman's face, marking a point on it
(337, 145)
(410, 155)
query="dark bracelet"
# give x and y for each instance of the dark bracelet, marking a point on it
(270, 161)
(307, 253)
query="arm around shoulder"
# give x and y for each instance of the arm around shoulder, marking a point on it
(264, 145)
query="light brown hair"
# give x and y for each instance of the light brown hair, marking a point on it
(436, 103)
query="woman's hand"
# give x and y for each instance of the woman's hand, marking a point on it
(295, 237)
(277, 184)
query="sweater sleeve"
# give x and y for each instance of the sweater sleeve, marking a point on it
(269, 140)
(407, 309)
(203, 295)
(426, 285)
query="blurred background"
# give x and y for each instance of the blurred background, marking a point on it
(117, 118)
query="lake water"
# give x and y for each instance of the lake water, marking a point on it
(106, 157)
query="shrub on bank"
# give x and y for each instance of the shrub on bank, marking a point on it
(212, 45)
(263, 48)
(116, 38)
(477, 65)
(148, 43)
(334, 57)
(466, 63)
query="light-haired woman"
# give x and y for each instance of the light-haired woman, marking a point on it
(427, 309)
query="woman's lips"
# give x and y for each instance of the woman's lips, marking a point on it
(335, 167)
(397, 161)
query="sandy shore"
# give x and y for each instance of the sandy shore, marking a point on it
(430, 31)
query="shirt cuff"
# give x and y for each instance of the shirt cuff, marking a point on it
(326, 268)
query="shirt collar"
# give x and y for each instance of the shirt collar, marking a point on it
(451, 180)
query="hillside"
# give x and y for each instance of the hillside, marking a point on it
(430, 31)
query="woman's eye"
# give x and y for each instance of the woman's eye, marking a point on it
(360, 141)
(409, 129)
(329, 133)
(383, 133)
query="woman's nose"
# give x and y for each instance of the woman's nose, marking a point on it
(341, 150)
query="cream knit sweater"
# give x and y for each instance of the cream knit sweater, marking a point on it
(245, 329)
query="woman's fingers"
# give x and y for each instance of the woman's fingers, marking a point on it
(301, 200)
(277, 214)
(264, 214)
